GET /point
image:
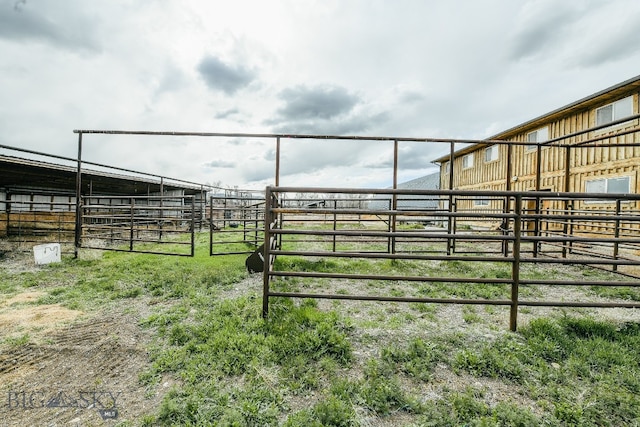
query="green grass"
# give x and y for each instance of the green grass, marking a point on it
(582, 371)
(307, 366)
(292, 352)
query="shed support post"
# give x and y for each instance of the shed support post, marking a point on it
(78, 228)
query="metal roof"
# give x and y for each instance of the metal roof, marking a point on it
(427, 182)
(20, 174)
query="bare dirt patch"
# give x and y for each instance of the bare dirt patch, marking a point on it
(19, 316)
(24, 297)
(82, 373)
(41, 318)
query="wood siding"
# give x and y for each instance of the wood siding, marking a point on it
(605, 161)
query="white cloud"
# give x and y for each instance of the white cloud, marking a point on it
(413, 68)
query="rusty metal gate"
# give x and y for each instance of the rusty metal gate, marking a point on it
(162, 225)
(514, 229)
(236, 223)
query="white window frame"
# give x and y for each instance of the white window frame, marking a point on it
(481, 201)
(619, 110)
(491, 153)
(605, 181)
(537, 136)
(446, 166)
(467, 161)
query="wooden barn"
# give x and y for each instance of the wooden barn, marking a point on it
(589, 146)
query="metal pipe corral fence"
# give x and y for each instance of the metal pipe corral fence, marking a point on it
(506, 232)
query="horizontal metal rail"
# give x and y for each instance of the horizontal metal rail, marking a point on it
(145, 224)
(525, 236)
(233, 215)
(278, 136)
(25, 223)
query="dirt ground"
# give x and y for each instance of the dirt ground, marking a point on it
(82, 369)
(77, 369)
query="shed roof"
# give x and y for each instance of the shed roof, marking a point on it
(22, 174)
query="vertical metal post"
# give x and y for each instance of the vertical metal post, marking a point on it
(256, 224)
(277, 161)
(7, 199)
(538, 166)
(505, 204)
(193, 225)
(394, 198)
(450, 225)
(515, 266)
(389, 227)
(568, 205)
(567, 169)
(268, 219)
(78, 230)
(504, 226)
(211, 226)
(224, 210)
(570, 229)
(243, 216)
(59, 225)
(536, 223)
(161, 206)
(509, 167)
(131, 228)
(616, 234)
(335, 222)
(203, 207)
(536, 227)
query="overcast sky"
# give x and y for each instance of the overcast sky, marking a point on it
(404, 68)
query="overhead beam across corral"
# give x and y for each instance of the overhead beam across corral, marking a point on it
(277, 137)
(557, 142)
(553, 142)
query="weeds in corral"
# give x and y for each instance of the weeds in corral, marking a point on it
(381, 393)
(331, 411)
(624, 293)
(417, 360)
(231, 367)
(297, 345)
(17, 341)
(469, 407)
(469, 315)
(584, 371)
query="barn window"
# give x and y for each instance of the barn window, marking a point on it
(614, 111)
(447, 167)
(617, 185)
(467, 161)
(480, 201)
(536, 137)
(491, 153)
